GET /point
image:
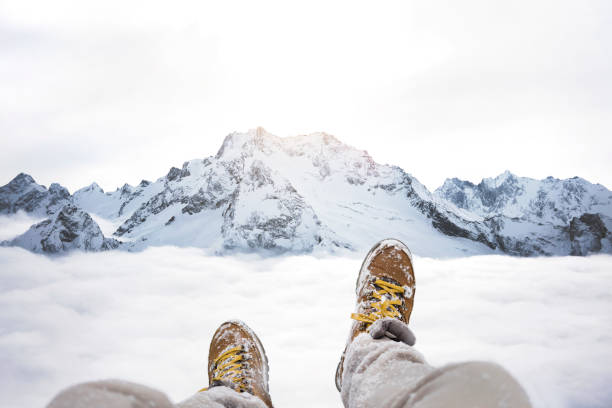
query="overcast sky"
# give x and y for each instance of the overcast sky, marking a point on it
(117, 91)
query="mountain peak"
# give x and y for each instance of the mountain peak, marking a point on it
(22, 179)
(126, 189)
(59, 190)
(259, 131)
(256, 140)
(92, 187)
(505, 177)
(506, 174)
(454, 182)
(253, 138)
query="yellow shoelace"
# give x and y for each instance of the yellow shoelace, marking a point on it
(230, 370)
(385, 306)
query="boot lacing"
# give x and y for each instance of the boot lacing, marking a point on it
(384, 302)
(230, 368)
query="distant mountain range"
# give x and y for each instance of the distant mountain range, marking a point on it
(312, 193)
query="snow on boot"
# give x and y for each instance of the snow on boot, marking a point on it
(237, 359)
(385, 289)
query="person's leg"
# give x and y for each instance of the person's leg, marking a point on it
(222, 397)
(124, 394)
(469, 384)
(386, 373)
(237, 373)
(375, 371)
(110, 394)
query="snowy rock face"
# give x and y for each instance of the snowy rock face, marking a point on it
(313, 193)
(69, 228)
(234, 201)
(22, 193)
(528, 216)
(550, 200)
(588, 234)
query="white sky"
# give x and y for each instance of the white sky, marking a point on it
(117, 91)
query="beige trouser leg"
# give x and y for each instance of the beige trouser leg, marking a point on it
(222, 397)
(123, 394)
(110, 394)
(384, 373)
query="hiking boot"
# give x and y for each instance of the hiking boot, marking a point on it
(385, 289)
(238, 360)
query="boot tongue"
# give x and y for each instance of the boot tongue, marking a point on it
(219, 383)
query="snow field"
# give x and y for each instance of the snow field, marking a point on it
(148, 317)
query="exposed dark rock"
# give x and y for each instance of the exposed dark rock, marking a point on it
(173, 174)
(355, 180)
(185, 170)
(586, 233)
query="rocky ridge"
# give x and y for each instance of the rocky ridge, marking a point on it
(540, 214)
(23, 194)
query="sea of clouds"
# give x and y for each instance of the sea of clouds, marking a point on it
(148, 317)
(16, 224)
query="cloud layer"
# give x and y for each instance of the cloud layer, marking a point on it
(148, 317)
(16, 224)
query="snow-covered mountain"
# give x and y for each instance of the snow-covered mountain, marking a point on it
(69, 228)
(569, 216)
(296, 194)
(23, 194)
(314, 193)
(550, 200)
